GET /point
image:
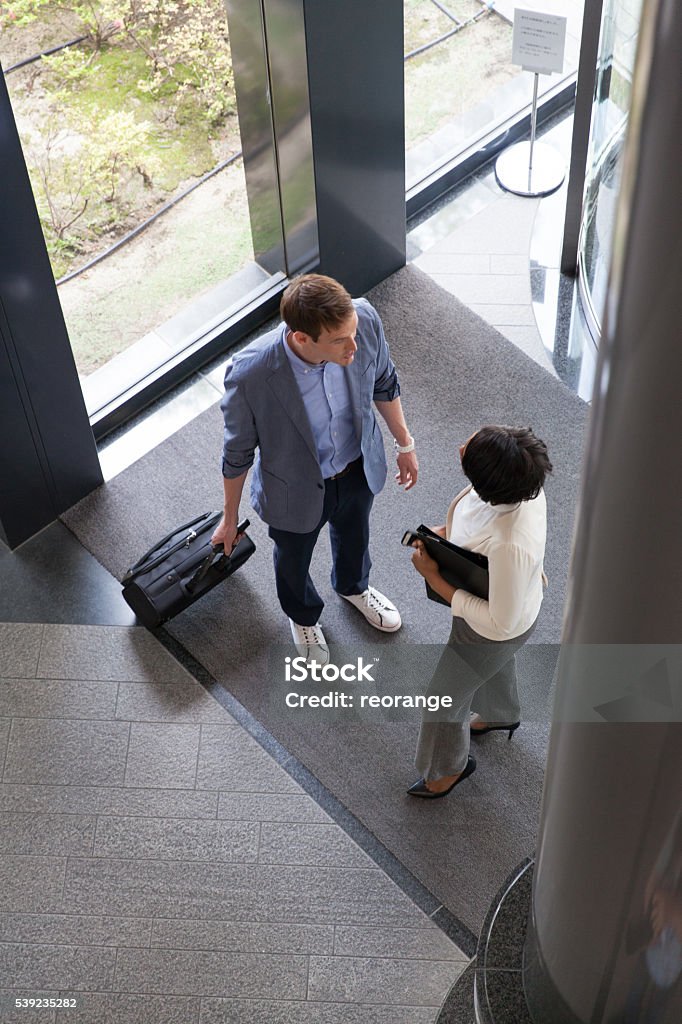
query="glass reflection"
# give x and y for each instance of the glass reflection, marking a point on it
(609, 121)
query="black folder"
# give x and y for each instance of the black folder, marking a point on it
(461, 568)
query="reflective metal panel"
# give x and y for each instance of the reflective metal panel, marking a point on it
(271, 80)
(287, 59)
(335, 74)
(252, 85)
(605, 159)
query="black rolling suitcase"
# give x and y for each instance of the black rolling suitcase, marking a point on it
(181, 568)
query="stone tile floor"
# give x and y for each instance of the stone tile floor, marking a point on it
(159, 866)
(495, 282)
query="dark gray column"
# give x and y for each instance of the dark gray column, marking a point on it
(357, 110)
(606, 929)
(582, 117)
(48, 459)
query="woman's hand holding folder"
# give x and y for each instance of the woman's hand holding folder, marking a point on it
(446, 567)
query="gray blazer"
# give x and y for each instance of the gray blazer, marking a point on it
(266, 424)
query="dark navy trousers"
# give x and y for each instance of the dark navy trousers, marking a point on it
(347, 504)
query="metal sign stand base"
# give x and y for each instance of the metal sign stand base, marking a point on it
(530, 168)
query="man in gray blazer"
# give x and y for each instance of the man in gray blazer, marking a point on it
(298, 407)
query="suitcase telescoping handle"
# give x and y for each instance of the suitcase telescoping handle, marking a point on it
(211, 560)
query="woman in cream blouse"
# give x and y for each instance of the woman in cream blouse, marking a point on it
(503, 515)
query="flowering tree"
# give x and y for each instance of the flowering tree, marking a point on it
(88, 166)
(93, 158)
(185, 42)
(187, 48)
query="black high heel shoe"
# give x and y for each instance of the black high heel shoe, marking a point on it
(421, 789)
(511, 729)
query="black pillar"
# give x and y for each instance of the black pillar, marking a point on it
(48, 459)
(357, 111)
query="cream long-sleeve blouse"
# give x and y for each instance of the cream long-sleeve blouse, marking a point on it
(513, 539)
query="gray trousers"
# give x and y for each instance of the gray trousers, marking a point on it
(480, 676)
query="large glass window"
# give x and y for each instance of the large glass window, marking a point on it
(127, 113)
(129, 126)
(617, 47)
(459, 80)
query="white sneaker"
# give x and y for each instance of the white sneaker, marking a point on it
(377, 609)
(310, 642)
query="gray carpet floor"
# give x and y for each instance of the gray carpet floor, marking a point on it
(457, 373)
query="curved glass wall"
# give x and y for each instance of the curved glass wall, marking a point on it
(617, 48)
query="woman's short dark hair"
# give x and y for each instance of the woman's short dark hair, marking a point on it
(506, 464)
(313, 302)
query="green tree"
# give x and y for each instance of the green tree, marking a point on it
(86, 168)
(186, 43)
(21, 12)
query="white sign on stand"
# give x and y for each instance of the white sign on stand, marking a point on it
(538, 45)
(538, 41)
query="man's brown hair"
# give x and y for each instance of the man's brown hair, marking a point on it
(314, 302)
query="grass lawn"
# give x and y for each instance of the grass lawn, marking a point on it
(458, 74)
(82, 113)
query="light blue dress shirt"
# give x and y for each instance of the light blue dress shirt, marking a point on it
(325, 394)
